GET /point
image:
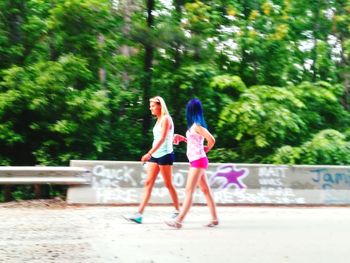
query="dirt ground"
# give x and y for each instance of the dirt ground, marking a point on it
(52, 231)
(36, 203)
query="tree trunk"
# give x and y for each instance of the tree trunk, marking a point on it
(344, 75)
(315, 34)
(148, 65)
(175, 89)
(15, 21)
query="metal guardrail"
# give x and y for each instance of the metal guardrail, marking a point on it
(41, 175)
(44, 175)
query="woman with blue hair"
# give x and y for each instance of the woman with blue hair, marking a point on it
(196, 153)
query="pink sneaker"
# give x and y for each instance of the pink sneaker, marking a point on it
(173, 223)
(212, 223)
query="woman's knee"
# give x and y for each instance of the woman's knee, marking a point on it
(205, 190)
(189, 191)
(149, 183)
(169, 185)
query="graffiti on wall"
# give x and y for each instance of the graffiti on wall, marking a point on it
(330, 181)
(103, 177)
(273, 188)
(125, 183)
(229, 176)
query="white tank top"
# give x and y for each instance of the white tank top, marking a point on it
(167, 146)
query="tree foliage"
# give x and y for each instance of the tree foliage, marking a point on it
(328, 147)
(76, 76)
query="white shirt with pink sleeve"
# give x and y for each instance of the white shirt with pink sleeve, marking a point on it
(195, 145)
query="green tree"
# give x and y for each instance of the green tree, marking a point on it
(39, 113)
(265, 118)
(328, 147)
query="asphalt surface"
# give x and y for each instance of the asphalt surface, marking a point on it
(248, 234)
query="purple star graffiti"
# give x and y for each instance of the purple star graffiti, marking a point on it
(232, 175)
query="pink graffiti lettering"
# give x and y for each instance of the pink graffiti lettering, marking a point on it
(232, 175)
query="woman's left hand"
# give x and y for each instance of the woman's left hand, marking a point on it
(146, 157)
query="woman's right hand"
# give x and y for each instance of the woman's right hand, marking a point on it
(179, 138)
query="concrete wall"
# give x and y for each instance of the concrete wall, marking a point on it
(114, 182)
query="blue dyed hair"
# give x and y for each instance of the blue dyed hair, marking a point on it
(194, 113)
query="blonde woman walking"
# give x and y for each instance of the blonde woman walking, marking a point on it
(160, 157)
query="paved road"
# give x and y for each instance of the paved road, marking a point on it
(246, 234)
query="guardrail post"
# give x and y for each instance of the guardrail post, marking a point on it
(7, 193)
(37, 191)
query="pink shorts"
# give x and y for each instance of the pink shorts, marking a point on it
(200, 163)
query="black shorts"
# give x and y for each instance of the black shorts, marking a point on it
(167, 159)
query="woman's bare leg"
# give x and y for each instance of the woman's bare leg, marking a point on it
(204, 185)
(166, 171)
(152, 172)
(194, 175)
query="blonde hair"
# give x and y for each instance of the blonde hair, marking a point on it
(164, 109)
